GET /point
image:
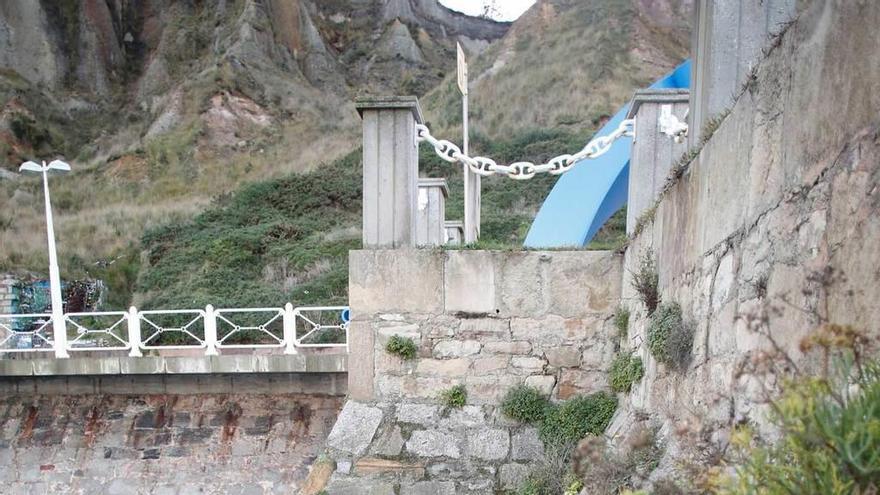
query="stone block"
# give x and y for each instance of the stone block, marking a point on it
(544, 383)
(361, 362)
(470, 282)
(456, 348)
(528, 364)
(521, 285)
(373, 465)
(563, 357)
(527, 445)
(482, 328)
(489, 389)
(433, 443)
(395, 281)
(390, 444)
(359, 486)
(355, 428)
(428, 488)
(488, 444)
(443, 367)
(466, 417)
(579, 382)
(555, 330)
(489, 364)
(581, 283)
(516, 347)
(421, 414)
(513, 475)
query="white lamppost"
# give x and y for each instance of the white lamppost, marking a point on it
(59, 328)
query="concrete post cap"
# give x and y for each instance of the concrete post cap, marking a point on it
(390, 103)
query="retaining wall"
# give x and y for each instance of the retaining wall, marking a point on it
(773, 227)
(485, 320)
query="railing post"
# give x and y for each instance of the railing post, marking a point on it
(289, 321)
(211, 332)
(59, 333)
(134, 332)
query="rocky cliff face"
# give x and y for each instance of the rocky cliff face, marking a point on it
(153, 64)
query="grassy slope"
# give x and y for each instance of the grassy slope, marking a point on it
(288, 239)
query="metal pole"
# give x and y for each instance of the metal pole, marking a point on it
(59, 326)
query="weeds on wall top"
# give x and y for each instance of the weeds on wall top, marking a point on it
(646, 281)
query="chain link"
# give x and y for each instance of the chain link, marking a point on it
(480, 165)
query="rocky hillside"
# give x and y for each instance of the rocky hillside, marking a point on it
(568, 64)
(167, 107)
(163, 104)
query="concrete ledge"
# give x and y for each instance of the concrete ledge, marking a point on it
(201, 365)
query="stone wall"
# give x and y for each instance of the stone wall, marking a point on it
(776, 219)
(176, 435)
(485, 320)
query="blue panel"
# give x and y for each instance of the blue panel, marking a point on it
(590, 193)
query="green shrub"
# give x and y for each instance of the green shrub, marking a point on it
(626, 369)
(621, 321)
(525, 404)
(403, 347)
(454, 397)
(646, 281)
(577, 418)
(830, 441)
(670, 339)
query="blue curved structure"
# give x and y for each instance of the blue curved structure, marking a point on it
(587, 195)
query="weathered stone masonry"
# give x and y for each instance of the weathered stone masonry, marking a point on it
(786, 188)
(165, 434)
(487, 320)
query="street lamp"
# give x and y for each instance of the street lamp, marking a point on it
(59, 328)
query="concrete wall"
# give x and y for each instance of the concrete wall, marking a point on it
(786, 192)
(209, 434)
(727, 40)
(487, 320)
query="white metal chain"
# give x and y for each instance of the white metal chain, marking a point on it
(480, 165)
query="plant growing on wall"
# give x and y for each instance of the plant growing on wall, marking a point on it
(402, 347)
(670, 338)
(454, 397)
(626, 369)
(525, 404)
(578, 417)
(621, 321)
(646, 281)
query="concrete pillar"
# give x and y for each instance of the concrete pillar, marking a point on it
(391, 171)
(727, 42)
(454, 232)
(431, 222)
(653, 152)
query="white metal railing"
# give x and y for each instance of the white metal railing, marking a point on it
(209, 329)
